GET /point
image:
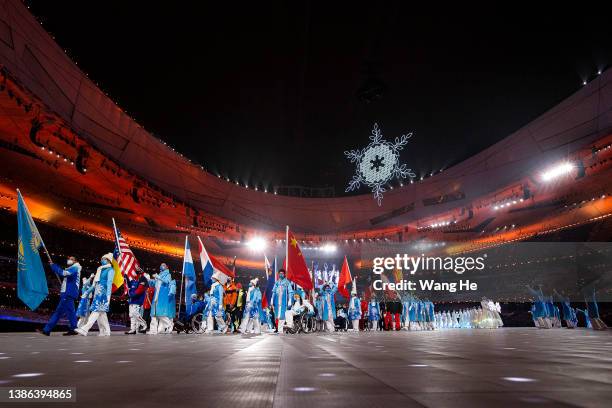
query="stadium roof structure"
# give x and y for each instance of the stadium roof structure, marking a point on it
(39, 65)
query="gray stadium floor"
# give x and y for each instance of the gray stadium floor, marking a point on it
(450, 368)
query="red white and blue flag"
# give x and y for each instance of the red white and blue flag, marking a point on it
(126, 261)
(212, 267)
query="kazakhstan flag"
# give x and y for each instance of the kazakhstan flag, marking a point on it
(31, 281)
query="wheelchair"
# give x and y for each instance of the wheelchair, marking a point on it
(341, 324)
(367, 325)
(198, 323)
(302, 323)
(191, 324)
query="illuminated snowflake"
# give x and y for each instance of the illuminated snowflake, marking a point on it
(378, 163)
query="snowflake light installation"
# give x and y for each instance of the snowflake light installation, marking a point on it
(378, 163)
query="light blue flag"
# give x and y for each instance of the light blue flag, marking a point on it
(189, 274)
(31, 281)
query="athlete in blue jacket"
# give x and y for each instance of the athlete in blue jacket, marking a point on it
(68, 295)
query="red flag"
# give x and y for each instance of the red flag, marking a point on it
(344, 279)
(297, 271)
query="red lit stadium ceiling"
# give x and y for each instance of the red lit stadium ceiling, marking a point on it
(88, 160)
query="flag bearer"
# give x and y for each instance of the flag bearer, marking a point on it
(163, 308)
(282, 294)
(137, 292)
(68, 295)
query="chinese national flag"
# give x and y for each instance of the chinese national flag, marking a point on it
(344, 279)
(297, 271)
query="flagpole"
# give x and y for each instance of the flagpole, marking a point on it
(266, 264)
(287, 252)
(178, 315)
(116, 235)
(313, 281)
(125, 277)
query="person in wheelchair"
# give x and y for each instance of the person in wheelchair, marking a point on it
(301, 308)
(341, 320)
(196, 306)
(185, 321)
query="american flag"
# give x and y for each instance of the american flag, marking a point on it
(124, 256)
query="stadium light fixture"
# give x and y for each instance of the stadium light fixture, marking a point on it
(329, 248)
(556, 171)
(257, 244)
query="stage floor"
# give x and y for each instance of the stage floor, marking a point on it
(449, 368)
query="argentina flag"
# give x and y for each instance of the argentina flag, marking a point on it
(31, 281)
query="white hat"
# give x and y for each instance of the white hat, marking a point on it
(108, 257)
(354, 289)
(254, 281)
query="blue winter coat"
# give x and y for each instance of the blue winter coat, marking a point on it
(195, 308)
(164, 303)
(354, 311)
(70, 279)
(217, 308)
(328, 303)
(102, 289)
(253, 305)
(282, 296)
(83, 309)
(373, 311)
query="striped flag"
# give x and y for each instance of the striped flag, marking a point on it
(270, 279)
(211, 267)
(188, 273)
(125, 259)
(118, 280)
